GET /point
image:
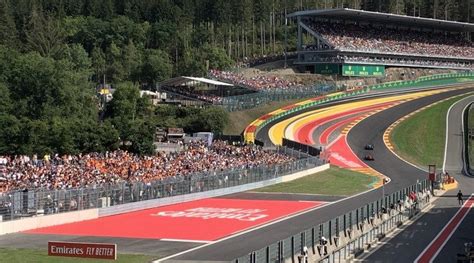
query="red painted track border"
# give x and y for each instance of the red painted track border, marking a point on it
(196, 221)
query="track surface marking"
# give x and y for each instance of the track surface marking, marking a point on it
(430, 253)
(197, 220)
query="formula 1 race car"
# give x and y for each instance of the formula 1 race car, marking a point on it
(369, 147)
(369, 157)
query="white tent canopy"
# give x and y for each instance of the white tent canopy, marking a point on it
(178, 81)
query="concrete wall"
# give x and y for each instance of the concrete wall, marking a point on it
(47, 220)
(63, 218)
(298, 175)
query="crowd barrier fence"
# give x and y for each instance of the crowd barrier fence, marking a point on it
(32, 202)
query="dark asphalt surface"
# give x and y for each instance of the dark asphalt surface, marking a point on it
(409, 244)
(454, 165)
(368, 131)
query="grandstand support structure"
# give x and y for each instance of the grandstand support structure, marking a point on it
(330, 39)
(318, 38)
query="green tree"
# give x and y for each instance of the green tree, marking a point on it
(6, 104)
(215, 57)
(106, 9)
(10, 130)
(215, 119)
(8, 31)
(156, 67)
(45, 35)
(131, 61)
(80, 61)
(142, 136)
(131, 116)
(114, 68)
(61, 136)
(91, 7)
(98, 63)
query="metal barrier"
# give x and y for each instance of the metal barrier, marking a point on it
(27, 203)
(313, 151)
(348, 235)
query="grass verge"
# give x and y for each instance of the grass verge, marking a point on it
(420, 139)
(238, 120)
(334, 181)
(38, 255)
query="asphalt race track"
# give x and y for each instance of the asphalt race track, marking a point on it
(408, 245)
(370, 130)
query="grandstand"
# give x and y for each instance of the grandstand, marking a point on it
(362, 43)
(202, 90)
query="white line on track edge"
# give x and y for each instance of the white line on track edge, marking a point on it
(440, 232)
(447, 128)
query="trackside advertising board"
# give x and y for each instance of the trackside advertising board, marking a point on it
(363, 70)
(82, 250)
(328, 69)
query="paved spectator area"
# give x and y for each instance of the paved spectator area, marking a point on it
(216, 218)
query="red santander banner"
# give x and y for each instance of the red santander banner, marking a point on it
(82, 250)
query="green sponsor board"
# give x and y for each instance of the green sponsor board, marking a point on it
(326, 69)
(363, 70)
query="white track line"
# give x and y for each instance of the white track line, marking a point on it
(442, 230)
(447, 128)
(446, 135)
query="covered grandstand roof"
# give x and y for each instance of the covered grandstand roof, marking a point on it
(183, 80)
(361, 15)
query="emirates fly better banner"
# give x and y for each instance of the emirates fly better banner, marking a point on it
(82, 250)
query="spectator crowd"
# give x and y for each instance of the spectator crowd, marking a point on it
(353, 37)
(260, 83)
(191, 93)
(428, 62)
(99, 169)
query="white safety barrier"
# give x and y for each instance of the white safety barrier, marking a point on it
(25, 224)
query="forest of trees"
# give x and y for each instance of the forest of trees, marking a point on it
(54, 53)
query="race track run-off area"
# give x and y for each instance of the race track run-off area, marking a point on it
(203, 220)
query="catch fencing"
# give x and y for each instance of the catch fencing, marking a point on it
(348, 235)
(21, 204)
